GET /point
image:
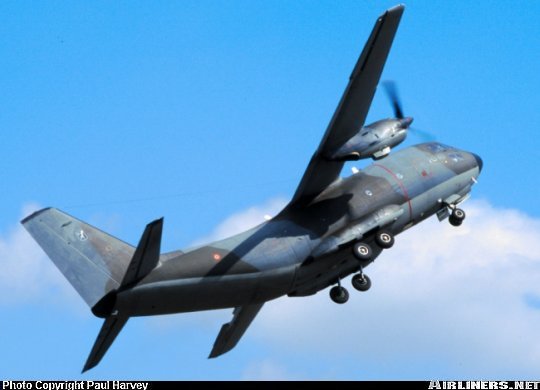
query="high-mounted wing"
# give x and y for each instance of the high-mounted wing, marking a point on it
(352, 110)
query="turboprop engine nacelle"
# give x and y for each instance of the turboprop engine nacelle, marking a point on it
(374, 140)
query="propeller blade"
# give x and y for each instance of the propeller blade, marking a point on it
(424, 135)
(391, 91)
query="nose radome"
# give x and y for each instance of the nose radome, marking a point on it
(478, 161)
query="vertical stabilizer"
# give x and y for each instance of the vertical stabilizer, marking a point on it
(144, 260)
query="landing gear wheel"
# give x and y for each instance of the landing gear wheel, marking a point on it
(361, 282)
(339, 294)
(384, 239)
(457, 217)
(362, 251)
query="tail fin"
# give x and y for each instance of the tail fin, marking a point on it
(94, 262)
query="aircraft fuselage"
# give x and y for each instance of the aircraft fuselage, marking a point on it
(276, 257)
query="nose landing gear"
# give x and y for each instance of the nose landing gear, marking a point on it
(457, 217)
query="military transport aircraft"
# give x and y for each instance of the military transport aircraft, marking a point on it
(332, 227)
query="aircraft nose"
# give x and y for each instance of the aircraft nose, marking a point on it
(478, 161)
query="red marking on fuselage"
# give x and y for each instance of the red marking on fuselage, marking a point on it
(216, 256)
(400, 183)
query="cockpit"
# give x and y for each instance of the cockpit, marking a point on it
(455, 159)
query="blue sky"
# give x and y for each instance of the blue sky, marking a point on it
(207, 112)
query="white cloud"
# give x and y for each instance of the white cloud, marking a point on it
(268, 370)
(457, 301)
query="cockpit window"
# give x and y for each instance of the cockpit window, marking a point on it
(455, 157)
(436, 147)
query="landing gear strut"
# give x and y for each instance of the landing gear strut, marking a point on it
(457, 217)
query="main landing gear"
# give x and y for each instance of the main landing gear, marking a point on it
(384, 239)
(361, 282)
(339, 294)
(363, 252)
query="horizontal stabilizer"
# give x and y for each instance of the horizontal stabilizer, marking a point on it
(232, 332)
(110, 329)
(93, 261)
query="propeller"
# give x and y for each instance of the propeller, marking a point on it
(392, 93)
(425, 136)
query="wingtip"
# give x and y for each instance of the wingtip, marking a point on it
(396, 8)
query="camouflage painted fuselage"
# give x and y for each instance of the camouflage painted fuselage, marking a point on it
(303, 250)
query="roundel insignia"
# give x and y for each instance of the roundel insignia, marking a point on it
(216, 256)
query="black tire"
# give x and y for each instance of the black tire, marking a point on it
(454, 222)
(362, 251)
(457, 217)
(361, 282)
(339, 294)
(458, 214)
(384, 239)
